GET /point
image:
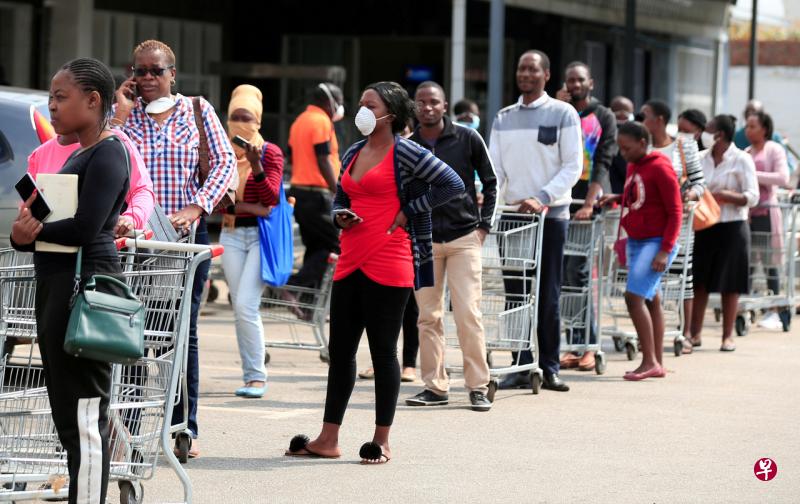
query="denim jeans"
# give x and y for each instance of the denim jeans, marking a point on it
(193, 361)
(242, 266)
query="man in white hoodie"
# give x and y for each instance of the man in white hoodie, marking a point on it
(537, 150)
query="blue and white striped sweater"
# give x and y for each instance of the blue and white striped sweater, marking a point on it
(423, 183)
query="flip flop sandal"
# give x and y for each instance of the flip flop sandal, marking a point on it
(372, 451)
(298, 447)
(369, 374)
(727, 348)
(687, 347)
(696, 344)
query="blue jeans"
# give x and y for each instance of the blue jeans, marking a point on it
(193, 364)
(242, 266)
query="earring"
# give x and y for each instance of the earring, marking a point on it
(172, 83)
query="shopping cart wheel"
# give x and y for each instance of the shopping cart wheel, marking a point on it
(489, 358)
(678, 347)
(183, 442)
(717, 314)
(493, 386)
(619, 345)
(630, 350)
(742, 325)
(600, 363)
(536, 382)
(786, 319)
(324, 356)
(130, 493)
(267, 357)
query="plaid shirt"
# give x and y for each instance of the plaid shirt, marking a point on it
(171, 155)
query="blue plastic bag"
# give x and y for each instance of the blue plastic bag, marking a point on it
(277, 243)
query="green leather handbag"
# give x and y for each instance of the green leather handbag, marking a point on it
(103, 326)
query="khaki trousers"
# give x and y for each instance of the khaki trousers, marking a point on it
(459, 264)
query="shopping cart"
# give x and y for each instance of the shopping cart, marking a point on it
(143, 394)
(674, 284)
(300, 309)
(579, 306)
(773, 272)
(509, 303)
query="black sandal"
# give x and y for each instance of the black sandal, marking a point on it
(298, 447)
(372, 451)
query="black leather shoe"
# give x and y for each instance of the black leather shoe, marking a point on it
(553, 382)
(516, 381)
(479, 401)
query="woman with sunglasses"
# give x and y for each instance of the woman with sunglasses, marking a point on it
(162, 124)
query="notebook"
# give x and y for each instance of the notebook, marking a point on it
(61, 191)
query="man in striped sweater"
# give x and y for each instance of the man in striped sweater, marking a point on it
(537, 150)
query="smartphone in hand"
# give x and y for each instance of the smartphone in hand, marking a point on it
(346, 214)
(241, 142)
(40, 209)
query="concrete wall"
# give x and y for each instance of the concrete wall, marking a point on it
(775, 86)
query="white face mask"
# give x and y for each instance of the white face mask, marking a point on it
(707, 139)
(366, 121)
(339, 114)
(160, 105)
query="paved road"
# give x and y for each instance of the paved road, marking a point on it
(692, 437)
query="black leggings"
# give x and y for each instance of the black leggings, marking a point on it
(358, 303)
(410, 333)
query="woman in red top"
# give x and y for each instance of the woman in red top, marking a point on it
(653, 222)
(383, 203)
(260, 167)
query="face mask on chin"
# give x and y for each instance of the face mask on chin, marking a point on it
(160, 105)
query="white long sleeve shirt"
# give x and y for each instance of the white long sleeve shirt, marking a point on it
(537, 151)
(736, 172)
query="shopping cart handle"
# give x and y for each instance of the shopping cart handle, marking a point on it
(217, 250)
(136, 234)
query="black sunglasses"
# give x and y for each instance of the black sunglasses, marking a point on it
(155, 72)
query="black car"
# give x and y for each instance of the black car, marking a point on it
(24, 125)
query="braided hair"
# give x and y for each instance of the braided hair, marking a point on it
(91, 75)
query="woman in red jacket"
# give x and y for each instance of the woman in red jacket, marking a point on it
(653, 221)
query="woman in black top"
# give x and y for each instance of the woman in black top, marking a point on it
(80, 101)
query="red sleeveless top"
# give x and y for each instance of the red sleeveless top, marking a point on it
(385, 259)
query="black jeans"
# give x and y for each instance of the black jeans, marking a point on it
(79, 389)
(410, 333)
(550, 276)
(312, 212)
(358, 303)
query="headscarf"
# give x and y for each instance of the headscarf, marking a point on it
(249, 98)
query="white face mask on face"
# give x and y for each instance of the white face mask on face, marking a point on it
(707, 139)
(366, 121)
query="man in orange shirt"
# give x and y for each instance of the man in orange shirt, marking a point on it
(314, 153)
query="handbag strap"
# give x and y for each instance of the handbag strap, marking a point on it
(202, 147)
(79, 259)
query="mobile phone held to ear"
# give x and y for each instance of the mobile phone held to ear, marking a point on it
(40, 209)
(241, 142)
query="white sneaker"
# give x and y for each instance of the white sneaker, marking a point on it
(771, 321)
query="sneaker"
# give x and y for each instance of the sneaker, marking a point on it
(427, 398)
(479, 401)
(771, 321)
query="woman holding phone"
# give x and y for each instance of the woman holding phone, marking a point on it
(260, 166)
(81, 94)
(383, 204)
